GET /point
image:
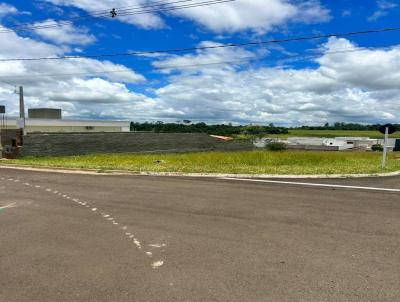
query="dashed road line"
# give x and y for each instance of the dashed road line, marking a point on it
(104, 215)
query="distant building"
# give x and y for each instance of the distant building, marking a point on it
(337, 143)
(50, 120)
(45, 113)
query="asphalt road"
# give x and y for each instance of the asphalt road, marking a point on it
(127, 238)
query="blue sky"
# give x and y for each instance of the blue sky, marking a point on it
(309, 82)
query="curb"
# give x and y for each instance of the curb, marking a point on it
(198, 175)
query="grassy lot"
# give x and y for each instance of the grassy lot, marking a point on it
(252, 162)
(335, 133)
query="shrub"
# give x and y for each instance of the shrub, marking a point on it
(276, 146)
(377, 148)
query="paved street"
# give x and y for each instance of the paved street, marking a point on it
(66, 237)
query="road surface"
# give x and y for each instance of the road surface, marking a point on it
(67, 237)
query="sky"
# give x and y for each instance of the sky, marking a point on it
(312, 82)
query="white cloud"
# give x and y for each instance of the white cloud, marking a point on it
(6, 9)
(255, 15)
(221, 57)
(148, 20)
(368, 69)
(354, 86)
(75, 91)
(384, 7)
(340, 89)
(64, 33)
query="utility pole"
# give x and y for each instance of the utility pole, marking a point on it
(21, 122)
(21, 102)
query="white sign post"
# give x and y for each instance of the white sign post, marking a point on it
(386, 129)
(385, 147)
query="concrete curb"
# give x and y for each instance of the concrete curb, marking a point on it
(199, 175)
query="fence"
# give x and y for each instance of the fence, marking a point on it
(64, 144)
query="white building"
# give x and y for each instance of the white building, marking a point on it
(50, 120)
(61, 125)
(337, 143)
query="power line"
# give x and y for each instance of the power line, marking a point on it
(183, 66)
(153, 3)
(125, 12)
(230, 45)
(103, 14)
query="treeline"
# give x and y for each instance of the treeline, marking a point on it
(221, 129)
(346, 126)
(228, 129)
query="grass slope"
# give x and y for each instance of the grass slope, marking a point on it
(252, 162)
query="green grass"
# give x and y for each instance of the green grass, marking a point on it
(252, 162)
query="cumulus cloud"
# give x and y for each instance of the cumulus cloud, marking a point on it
(147, 20)
(367, 69)
(6, 9)
(63, 33)
(340, 89)
(71, 83)
(357, 86)
(255, 15)
(220, 57)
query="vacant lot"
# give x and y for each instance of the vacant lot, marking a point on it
(254, 162)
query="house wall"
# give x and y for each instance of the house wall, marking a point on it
(45, 125)
(72, 129)
(64, 144)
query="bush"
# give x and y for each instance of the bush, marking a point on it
(276, 146)
(377, 148)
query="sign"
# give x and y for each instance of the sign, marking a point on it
(386, 129)
(392, 129)
(20, 123)
(2, 109)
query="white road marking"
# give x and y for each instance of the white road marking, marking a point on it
(137, 243)
(158, 245)
(313, 184)
(8, 206)
(157, 264)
